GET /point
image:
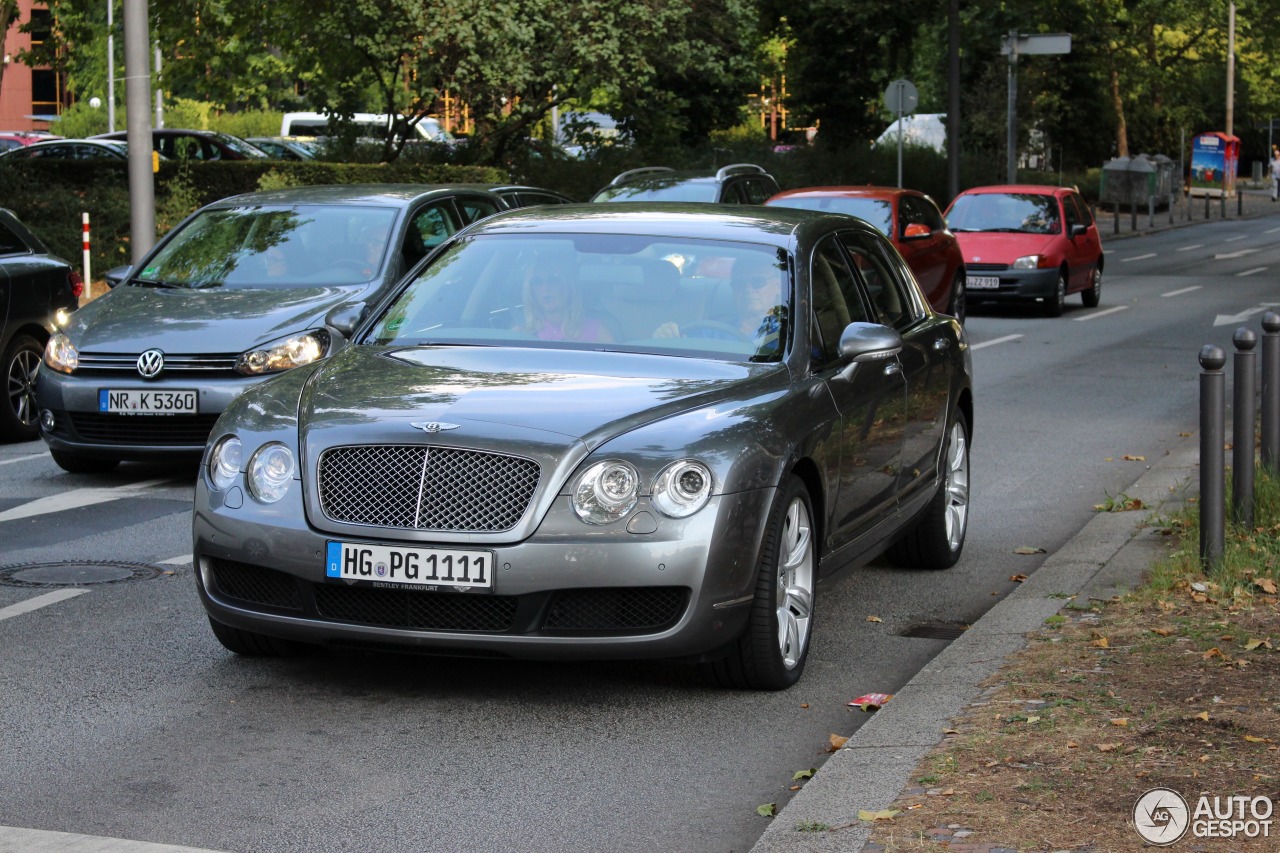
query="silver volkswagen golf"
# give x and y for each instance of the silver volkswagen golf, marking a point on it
(623, 431)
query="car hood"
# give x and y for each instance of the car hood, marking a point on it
(132, 319)
(497, 395)
(995, 247)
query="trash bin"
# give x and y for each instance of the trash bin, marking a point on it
(1129, 181)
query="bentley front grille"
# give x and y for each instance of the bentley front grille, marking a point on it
(418, 487)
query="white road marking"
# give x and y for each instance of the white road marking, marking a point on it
(23, 458)
(35, 604)
(177, 561)
(15, 839)
(1233, 239)
(1003, 340)
(1182, 291)
(1227, 319)
(1253, 271)
(77, 498)
(1192, 246)
(1138, 257)
(1271, 231)
(1238, 253)
(1095, 315)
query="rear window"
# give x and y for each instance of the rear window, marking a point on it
(877, 211)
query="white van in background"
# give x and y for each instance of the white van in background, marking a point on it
(372, 125)
(924, 129)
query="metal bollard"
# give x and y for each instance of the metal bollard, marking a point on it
(1171, 208)
(1239, 204)
(1271, 391)
(1115, 219)
(1151, 211)
(1222, 203)
(1206, 205)
(1212, 398)
(1133, 215)
(1245, 412)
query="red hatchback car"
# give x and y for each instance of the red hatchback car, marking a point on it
(911, 221)
(1026, 243)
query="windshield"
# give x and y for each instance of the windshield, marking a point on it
(274, 246)
(1012, 212)
(877, 211)
(655, 191)
(675, 296)
(239, 145)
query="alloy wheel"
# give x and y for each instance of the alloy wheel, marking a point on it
(957, 486)
(22, 385)
(795, 583)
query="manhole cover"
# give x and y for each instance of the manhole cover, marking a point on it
(75, 573)
(936, 631)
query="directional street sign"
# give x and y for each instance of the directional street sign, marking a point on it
(1026, 45)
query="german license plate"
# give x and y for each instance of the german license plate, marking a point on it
(983, 282)
(137, 401)
(390, 565)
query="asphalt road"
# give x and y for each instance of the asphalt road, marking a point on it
(123, 717)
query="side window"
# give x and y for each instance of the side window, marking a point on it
(932, 216)
(734, 193)
(758, 190)
(9, 242)
(1070, 212)
(891, 300)
(474, 209)
(431, 226)
(836, 302)
(910, 212)
(1086, 215)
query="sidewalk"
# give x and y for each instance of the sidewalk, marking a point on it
(1248, 204)
(1107, 557)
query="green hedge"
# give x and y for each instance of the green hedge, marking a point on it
(51, 196)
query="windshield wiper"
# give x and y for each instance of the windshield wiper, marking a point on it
(151, 282)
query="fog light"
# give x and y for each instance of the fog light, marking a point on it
(47, 420)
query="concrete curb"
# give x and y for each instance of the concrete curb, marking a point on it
(1106, 557)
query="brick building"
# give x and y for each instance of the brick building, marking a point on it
(26, 94)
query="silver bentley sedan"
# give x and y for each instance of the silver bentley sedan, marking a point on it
(596, 431)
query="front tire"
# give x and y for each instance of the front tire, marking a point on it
(1057, 301)
(771, 653)
(937, 538)
(957, 307)
(19, 418)
(1093, 295)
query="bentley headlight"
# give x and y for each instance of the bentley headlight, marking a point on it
(606, 492)
(270, 472)
(284, 354)
(60, 354)
(224, 462)
(682, 488)
(1028, 262)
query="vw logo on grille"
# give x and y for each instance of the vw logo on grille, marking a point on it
(150, 363)
(432, 426)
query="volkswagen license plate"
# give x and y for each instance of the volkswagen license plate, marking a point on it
(387, 565)
(138, 401)
(983, 282)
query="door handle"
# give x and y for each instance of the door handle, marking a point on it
(891, 368)
(941, 344)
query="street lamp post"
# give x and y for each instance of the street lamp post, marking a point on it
(111, 67)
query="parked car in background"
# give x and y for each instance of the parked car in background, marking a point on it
(34, 287)
(285, 148)
(516, 195)
(559, 439)
(18, 138)
(369, 125)
(235, 293)
(179, 144)
(69, 149)
(912, 222)
(741, 183)
(1027, 243)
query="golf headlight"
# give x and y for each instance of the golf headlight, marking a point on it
(60, 354)
(606, 492)
(284, 354)
(682, 488)
(224, 462)
(1028, 262)
(270, 472)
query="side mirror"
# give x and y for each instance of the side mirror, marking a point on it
(1079, 230)
(862, 342)
(117, 275)
(344, 318)
(915, 231)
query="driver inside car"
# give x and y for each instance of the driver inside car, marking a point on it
(756, 285)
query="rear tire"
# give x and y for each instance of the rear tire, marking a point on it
(937, 538)
(771, 653)
(74, 463)
(1057, 301)
(1093, 295)
(19, 418)
(254, 645)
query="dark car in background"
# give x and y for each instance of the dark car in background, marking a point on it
(1028, 244)
(179, 144)
(235, 293)
(740, 183)
(284, 147)
(913, 223)
(69, 149)
(34, 287)
(560, 438)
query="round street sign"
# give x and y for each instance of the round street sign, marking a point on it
(901, 97)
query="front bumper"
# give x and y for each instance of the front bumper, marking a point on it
(80, 428)
(569, 591)
(1015, 285)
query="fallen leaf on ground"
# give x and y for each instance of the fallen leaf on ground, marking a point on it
(1162, 632)
(1257, 644)
(1203, 715)
(1267, 585)
(1130, 458)
(1072, 745)
(1027, 550)
(803, 774)
(1018, 578)
(836, 742)
(1102, 643)
(874, 619)
(1108, 747)
(1120, 721)
(1256, 739)
(883, 814)
(1033, 719)
(1214, 652)
(767, 809)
